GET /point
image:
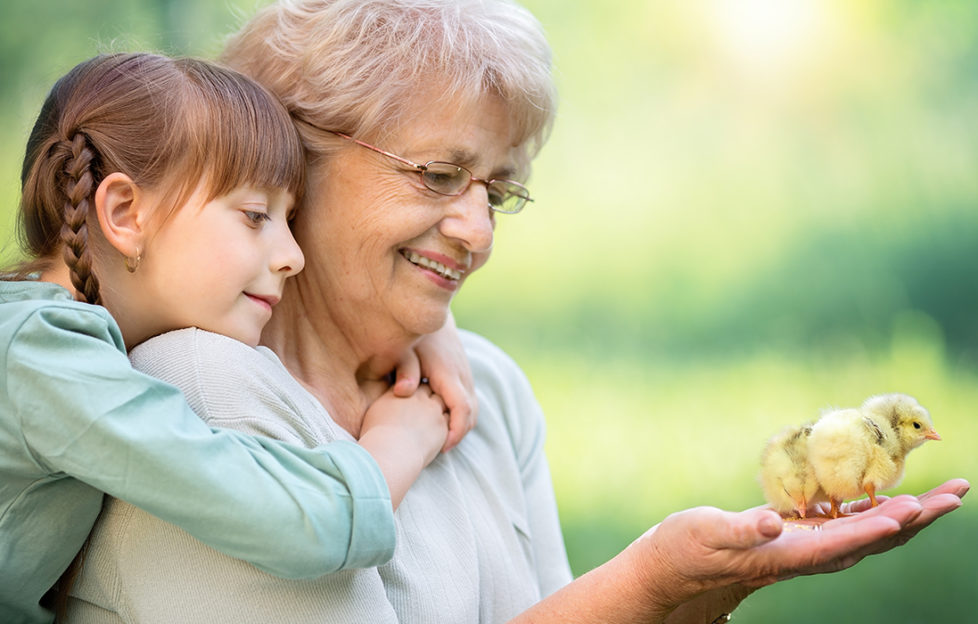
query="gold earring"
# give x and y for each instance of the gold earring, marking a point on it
(133, 263)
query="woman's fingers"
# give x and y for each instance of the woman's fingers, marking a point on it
(936, 502)
(727, 530)
(704, 548)
(956, 487)
(841, 543)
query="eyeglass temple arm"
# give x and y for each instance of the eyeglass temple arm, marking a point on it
(401, 159)
(378, 150)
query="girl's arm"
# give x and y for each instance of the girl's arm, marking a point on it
(291, 511)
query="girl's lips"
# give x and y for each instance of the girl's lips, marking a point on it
(265, 300)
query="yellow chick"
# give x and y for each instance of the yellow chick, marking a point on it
(863, 450)
(787, 476)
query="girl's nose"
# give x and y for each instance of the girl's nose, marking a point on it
(288, 258)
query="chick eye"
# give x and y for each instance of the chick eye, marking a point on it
(916, 425)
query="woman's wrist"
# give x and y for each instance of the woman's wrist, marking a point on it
(712, 607)
(615, 592)
(666, 567)
(655, 581)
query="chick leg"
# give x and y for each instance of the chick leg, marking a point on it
(871, 490)
(834, 511)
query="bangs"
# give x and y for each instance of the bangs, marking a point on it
(239, 135)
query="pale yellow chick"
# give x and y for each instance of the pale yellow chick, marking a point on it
(787, 477)
(863, 450)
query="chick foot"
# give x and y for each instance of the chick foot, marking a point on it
(871, 490)
(835, 511)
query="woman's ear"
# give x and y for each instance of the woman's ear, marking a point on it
(122, 213)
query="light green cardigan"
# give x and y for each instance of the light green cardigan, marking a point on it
(76, 420)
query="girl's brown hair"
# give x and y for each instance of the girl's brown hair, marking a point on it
(161, 121)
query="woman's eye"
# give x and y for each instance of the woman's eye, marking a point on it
(440, 182)
(256, 218)
(496, 198)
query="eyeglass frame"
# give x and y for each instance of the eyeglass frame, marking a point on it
(421, 169)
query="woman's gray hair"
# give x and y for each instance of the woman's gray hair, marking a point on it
(356, 66)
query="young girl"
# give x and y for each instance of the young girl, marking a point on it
(161, 189)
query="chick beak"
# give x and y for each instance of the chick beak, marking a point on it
(932, 435)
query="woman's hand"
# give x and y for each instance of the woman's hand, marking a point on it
(440, 358)
(706, 550)
(700, 563)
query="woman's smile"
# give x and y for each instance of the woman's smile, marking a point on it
(444, 268)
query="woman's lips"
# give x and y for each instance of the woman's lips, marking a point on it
(440, 268)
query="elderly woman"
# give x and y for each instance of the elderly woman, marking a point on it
(419, 119)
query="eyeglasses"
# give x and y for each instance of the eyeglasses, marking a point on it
(506, 196)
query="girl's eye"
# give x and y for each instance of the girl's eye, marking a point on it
(256, 218)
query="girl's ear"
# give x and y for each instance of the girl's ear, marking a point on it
(122, 213)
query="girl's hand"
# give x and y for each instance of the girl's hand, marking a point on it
(440, 359)
(404, 434)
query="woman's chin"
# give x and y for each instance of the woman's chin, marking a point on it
(429, 323)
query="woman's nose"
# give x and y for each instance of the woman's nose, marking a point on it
(470, 220)
(288, 257)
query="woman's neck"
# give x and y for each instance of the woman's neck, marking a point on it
(343, 364)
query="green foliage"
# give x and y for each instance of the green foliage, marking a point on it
(734, 228)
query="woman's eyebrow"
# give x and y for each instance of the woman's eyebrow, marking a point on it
(462, 156)
(468, 159)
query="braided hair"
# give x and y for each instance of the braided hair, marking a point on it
(163, 122)
(74, 229)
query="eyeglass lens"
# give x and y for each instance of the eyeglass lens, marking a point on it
(450, 179)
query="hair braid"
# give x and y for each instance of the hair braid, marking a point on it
(169, 125)
(79, 187)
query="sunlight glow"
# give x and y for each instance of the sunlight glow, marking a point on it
(768, 36)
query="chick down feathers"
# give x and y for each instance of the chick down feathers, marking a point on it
(853, 451)
(787, 476)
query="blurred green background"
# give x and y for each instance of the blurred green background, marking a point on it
(749, 210)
